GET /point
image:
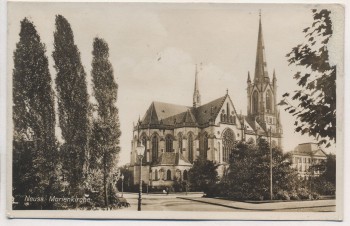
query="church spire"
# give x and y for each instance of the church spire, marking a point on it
(196, 95)
(260, 63)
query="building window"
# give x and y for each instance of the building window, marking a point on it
(144, 142)
(190, 147)
(168, 144)
(268, 101)
(156, 174)
(185, 176)
(227, 144)
(155, 144)
(168, 175)
(204, 145)
(255, 104)
(180, 141)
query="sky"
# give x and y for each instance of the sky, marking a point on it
(154, 49)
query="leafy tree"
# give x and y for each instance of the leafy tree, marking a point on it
(128, 178)
(203, 175)
(106, 128)
(249, 171)
(34, 142)
(73, 105)
(316, 76)
(329, 173)
(325, 184)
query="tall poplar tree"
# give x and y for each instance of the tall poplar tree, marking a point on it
(73, 104)
(106, 126)
(34, 141)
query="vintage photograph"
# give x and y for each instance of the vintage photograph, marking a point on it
(197, 110)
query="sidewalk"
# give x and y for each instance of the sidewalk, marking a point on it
(292, 205)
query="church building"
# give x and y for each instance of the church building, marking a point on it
(175, 135)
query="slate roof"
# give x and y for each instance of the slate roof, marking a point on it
(172, 158)
(308, 149)
(171, 114)
(209, 111)
(159, 111)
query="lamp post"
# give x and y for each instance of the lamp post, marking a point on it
(122, 177)
(271, 194)
(140, 151)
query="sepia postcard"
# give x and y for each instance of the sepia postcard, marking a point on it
(194, 111)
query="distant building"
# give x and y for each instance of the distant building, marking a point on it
(305, 157)
(175, 135)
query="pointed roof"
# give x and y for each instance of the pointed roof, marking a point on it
(309, 149)
(209, 111)
(189, 118)
(172, 158)
(260, 63)
(160, 111)
(249, 80)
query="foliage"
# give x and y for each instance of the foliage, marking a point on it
(128, 178)
(34, 142)
(248, 175)
(73, 105)
(325, 184)
(105, 131)
(316, 97)
(203, 175)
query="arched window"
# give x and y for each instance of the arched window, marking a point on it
(190, 148)
(255, 103)
(144, 142)
(228, 111)
(178, 175)
(219, 152)
(185, 176)
(168, 144)
(268, 101)
(228, 142)
(180, 141)
(168, 174)
(204, 145)
(156, 174)
(155, 144)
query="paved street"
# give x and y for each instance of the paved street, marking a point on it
(194, 202)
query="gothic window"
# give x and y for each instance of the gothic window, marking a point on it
(204, 145)
(168, 174)
(190, 147)
(185, 176)
(180, 141)
(156, 174)
(155, 145)
(228, 110)
(219, 152)
(255, 102)
(168, 143)
(144, 142)
(228, 144)
(268, 101)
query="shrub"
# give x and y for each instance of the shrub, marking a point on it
(304, 194)
(293, 195)
(282, 195)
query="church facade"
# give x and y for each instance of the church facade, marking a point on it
(174, 136)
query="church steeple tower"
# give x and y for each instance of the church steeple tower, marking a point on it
(261, 73)
(261, 91)
(196, 95)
